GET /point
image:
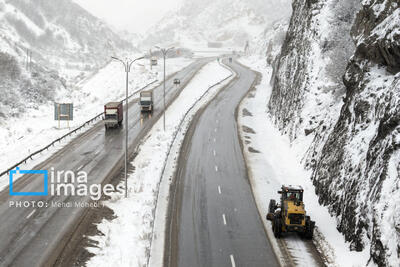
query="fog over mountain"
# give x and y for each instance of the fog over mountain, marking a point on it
(230, 22)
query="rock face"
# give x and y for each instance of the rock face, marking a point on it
(355, 140)
(358, 175)
(307, 81)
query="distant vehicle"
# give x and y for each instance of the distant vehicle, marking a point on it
(177, 81)
(153, 61)
(146, 101)
(290, 215)
(113, 114)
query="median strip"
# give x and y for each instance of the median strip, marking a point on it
(149, 183)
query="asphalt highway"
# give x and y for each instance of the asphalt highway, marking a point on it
(216, 221)
(32, 236)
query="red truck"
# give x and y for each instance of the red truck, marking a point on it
(113, 114)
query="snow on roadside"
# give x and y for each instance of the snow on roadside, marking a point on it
(126, 240)
(36, 128)
(277, 162)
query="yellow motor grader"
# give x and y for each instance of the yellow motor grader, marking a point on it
(290, 215)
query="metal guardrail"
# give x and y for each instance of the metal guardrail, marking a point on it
(67, 134)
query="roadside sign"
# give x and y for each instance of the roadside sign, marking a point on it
(63, 112)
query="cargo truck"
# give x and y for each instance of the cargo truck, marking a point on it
(153, 61)
(113, 114)
(146, 101)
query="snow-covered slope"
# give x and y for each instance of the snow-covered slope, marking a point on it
(358, 174)
(229, 22)
(60, 39)
(337, 92)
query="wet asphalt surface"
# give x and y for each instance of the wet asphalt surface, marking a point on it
(216, 220)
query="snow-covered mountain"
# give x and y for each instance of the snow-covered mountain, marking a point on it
(232, 23)
(337, 92)
(58, 38)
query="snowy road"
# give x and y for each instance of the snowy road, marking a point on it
(216, 222)
(35, 236)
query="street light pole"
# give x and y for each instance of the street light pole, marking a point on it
(127, 66)
(164, 91)
(164, 52)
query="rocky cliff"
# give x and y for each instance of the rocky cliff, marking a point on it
(343, 101)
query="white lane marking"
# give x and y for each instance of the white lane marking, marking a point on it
(216, 168)
(223, 217)
(214, 152)
(233, 261)
(30, 214)
(219, 190)
(215, 130)
(217, 121)
(80, 167)
(97, 152)
(215, 140)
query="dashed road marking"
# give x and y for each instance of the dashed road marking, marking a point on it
(97, 152)
(214, 152)
(223, 217)
(215, 140)
(80, 167)
(219, 190)
(215, 130)
(30, 214)
(216, 168)
(232, 261)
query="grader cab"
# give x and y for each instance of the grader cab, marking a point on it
(290, 215)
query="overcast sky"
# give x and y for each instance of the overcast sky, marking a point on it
(131, 15)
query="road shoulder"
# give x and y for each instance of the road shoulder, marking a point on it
(254, 108)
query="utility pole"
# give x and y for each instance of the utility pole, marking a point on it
(30, 61)
(127, 65)
(28, 65)
(151, 59)
(27, 59)
(246, 47)
(164, 52)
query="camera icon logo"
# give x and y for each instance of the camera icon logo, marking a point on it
(43, 174)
